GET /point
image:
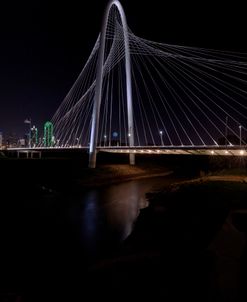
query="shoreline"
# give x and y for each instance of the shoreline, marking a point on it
(121, 179)
(191, 226)
(117, 174)
(210, 178)
(114, 174)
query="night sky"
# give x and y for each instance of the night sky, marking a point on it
(44, 45)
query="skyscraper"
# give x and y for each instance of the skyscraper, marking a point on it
(48, 134)
(34, 136)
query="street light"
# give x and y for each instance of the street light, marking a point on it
(129, 135)
(105, 137)
(161, 137)
(240, 135)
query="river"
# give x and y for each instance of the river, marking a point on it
(50, 233)
(75, 242)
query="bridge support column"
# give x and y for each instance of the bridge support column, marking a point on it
(92, 159)
(132, 159)
(99, 81)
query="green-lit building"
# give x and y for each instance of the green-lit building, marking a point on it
(48, 134)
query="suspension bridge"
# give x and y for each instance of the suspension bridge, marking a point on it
(138, 96)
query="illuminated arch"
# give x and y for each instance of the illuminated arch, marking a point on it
(99, 81)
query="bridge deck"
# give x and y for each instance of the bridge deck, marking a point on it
(155, 150)
(223, 151)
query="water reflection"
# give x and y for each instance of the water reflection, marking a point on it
(122, 204)
(72, 225)
(89, 219)
(57, 235)
(107, 215)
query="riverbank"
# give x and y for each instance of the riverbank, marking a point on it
(111, 174)
(72, 174)
(182, 246)
(190, 243)
(61, 171)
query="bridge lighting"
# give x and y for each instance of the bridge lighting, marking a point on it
(161, 137)
(241, 152)
(226, 152)
(129, 135)
(212, 152)
(105, 137)
(142, 151)
(134, 151)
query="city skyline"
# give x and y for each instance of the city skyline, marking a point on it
(46, 45)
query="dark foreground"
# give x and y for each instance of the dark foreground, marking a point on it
(189, 244)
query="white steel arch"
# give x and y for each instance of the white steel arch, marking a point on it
(99, 81)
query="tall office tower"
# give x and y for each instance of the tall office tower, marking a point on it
(34, 136)
(48, 134)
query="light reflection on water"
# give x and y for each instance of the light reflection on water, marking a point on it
(107, 215)
(56, 232)
(88, 223)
